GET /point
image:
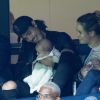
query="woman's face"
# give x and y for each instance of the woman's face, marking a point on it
(82, 34)
(32, 35)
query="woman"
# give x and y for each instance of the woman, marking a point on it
(88, 27)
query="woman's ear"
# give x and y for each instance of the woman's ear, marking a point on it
(92, 34)
(34, 24)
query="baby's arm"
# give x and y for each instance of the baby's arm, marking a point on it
(47, 61)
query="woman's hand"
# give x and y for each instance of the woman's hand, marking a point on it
(93, 64)
(96, 63)
(85, 70)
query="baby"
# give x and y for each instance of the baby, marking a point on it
(42, 71)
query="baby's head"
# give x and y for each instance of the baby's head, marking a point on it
(46, 53)
(44, 47)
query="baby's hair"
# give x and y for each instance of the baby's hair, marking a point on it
(46, 45)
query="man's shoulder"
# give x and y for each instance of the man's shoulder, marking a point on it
(57, 33)
(60, 40)
(58, 37)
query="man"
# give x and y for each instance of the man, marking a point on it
(49, 91)
(69, 63)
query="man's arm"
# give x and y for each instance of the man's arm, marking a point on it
(66, 69)
(24, 66)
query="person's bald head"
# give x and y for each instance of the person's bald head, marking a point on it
(49, 91)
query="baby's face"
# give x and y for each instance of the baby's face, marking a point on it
(40, 48)
(40, 51)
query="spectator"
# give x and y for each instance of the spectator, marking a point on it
(49, 91)
(88, 26)
(42, 71)
(69, 63)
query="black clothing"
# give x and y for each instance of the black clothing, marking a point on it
(5, 69)
(67, 67)
(22, 90)
(60, 40)
(24, 66)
